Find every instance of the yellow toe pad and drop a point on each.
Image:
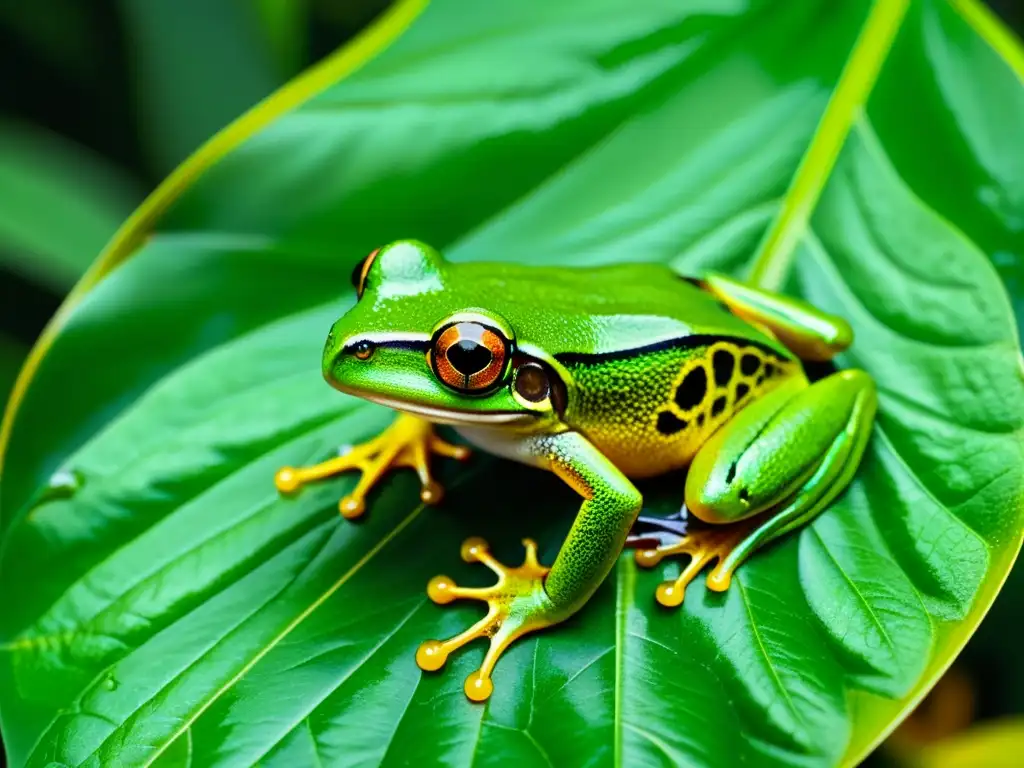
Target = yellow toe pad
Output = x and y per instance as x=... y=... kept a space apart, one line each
x=516 y=605
x=408 y=442
x=703 y=546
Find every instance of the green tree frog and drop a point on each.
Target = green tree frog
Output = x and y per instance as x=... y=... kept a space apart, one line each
x=601 y=375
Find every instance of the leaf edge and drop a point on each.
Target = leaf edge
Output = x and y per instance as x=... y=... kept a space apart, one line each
x=337 y=66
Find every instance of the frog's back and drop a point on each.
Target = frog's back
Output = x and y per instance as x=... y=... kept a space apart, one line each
x=599 y=310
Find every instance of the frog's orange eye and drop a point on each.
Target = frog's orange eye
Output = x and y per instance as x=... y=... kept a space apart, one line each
x=469 y=357
x=362 y=268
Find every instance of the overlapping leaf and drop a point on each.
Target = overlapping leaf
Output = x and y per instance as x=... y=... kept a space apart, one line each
x=61 y=204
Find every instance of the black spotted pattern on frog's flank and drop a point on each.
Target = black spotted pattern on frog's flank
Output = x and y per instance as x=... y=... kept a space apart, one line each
x=722 y=362
x=669 y=423
x=650 y=412
x=713 y=385
x=749 y=364
x=693 y=389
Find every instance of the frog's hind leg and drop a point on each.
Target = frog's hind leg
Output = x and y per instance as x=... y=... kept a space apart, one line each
x=408 y=442
x=772 y=469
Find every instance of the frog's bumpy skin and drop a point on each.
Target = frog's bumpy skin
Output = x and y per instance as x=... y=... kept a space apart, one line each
x=510 y=612
x=408 y=442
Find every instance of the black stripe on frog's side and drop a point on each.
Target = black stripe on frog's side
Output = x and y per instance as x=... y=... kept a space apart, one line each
x=411 y=345
x=684 y=342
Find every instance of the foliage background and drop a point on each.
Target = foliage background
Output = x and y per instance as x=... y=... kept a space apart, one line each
x=100 y=100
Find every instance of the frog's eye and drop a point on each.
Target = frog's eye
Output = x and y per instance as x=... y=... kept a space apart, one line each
x=469 y=357
x=360 y=272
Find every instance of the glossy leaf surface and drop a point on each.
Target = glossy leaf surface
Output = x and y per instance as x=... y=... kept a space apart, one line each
x=166 y=605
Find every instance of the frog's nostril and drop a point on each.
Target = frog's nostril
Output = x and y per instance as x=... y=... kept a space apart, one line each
x=468 y=356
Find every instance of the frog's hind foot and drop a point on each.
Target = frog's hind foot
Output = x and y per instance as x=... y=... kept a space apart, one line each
x=408 y=442
x=825 y=425
x=703 y=545
x=516 y=605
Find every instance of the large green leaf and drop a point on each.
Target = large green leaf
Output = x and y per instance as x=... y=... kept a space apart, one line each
x=197 y=65
x=11 y=356
x=164 y=605
x=58 y=204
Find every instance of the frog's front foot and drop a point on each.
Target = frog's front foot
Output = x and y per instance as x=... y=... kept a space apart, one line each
x=408 y=442
x=703 y=545
x=516 y=604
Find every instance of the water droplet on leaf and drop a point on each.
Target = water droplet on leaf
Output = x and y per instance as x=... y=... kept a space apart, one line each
x=63 y=484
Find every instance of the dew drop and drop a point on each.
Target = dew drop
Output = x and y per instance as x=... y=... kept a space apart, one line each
x=63 y=484
x=109 y=683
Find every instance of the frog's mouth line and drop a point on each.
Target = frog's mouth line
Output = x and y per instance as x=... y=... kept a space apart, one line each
x=448 y=415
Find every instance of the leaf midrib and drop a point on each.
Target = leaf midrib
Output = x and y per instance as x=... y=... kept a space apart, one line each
x=865 y=603
x=304 y=717
x=289 y=628
x=623 y=572
x=794 y=710
x=855 y=84
x=242 y=467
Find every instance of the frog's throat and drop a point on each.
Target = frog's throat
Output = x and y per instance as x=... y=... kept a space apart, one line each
x=439 y=415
